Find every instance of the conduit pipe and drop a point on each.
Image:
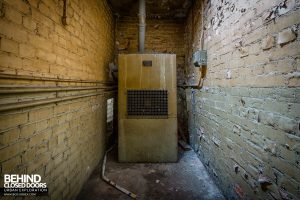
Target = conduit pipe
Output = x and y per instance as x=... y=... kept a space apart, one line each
x=130 y=194
x=17 y=90
x=18 y=105
x=142 y=25
x=35 y=78
x=202 y=69
x=64 y=17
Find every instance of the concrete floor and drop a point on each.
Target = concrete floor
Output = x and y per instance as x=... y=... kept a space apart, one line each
x=185 y=180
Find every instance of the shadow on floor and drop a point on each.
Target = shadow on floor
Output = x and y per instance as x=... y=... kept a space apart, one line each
x=185 y=180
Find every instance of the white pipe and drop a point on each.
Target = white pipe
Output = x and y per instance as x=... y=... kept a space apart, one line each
x=130 y=194
x=142 y=25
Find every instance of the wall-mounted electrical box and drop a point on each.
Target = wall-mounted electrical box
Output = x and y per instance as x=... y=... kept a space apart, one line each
x=200 y=58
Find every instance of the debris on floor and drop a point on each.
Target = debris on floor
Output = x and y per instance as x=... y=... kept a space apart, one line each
x=185 y=180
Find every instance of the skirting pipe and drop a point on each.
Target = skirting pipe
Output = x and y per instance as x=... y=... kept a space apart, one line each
x=18 y=105
x=34 y=78
x=130 y=194
x=17 y=90
x=142 y=25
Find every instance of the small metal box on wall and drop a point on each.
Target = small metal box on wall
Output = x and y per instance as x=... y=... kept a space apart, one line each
x=199 y=58
x=147 y=108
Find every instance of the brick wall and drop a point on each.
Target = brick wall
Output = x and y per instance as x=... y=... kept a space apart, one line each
x=34 y=41
x=162 y=36
x=244 y=122
x=54 y=87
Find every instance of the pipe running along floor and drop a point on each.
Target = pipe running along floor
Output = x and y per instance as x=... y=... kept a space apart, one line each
x=185 y=180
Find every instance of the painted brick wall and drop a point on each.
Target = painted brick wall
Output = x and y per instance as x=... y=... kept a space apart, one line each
x=162 y=36
x=244 y=122
x=54 y=87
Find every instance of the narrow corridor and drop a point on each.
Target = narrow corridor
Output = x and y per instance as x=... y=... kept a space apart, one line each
x=222 y=76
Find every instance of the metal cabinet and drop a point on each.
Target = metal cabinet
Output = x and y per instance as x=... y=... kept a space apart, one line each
x=147 y=108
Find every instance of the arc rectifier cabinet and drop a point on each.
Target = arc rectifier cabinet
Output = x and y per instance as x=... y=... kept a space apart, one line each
x=147 y=108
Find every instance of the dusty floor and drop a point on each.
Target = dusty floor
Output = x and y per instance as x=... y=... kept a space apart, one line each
x=185 y=180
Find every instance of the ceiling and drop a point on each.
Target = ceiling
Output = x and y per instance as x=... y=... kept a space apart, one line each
x=160 y=9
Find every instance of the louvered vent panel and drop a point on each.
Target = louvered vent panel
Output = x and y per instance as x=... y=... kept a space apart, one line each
x=146 y=103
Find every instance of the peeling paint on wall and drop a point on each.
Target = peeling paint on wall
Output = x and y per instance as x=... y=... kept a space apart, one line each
x=248 y=108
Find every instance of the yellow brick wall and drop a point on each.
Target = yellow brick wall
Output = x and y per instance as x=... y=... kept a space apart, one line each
x=34 y=41
x=244 y=122
x=54 y=87
x=61 y=142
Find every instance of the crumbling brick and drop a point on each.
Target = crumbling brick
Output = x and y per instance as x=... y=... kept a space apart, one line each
x=286 y=36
